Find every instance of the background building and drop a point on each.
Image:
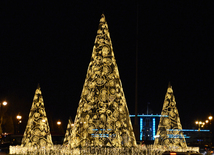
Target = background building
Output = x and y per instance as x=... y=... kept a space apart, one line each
x=148 y=125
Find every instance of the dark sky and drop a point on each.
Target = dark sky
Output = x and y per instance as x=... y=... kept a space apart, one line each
x=51 y=44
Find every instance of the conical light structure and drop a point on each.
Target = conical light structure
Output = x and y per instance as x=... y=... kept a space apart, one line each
x=102 y=117
x=68 y=132
x=170 y=132
x=37 y=132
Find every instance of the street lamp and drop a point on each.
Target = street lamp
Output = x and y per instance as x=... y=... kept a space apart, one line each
x=1 y=114
x=210 y=127
x=18 y=117
x=200 y=124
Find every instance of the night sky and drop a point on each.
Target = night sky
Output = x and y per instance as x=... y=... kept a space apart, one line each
x=51 y=44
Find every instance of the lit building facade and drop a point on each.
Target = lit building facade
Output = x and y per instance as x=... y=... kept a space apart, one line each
x=148 y=125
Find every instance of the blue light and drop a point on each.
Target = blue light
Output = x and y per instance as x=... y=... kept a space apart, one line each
x=149 y=116
x=141 y=128
x=188 y=130
x=153 y=128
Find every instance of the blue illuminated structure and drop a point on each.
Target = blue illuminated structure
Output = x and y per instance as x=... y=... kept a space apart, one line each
x=149 y=124
x=141 y=128
x=153 y=129
x=148 y=129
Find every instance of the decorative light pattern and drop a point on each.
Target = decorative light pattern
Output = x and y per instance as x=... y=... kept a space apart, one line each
x=165 y=136
x=37 y=132
x=68 y=132
x=148 y=116
x=141 y=128
x=153 y=128
x=102 y=105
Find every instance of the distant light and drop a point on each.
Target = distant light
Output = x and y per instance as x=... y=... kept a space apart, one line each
x=20 y=121
x=4 y=103
x=72 y=124
x=157 y=136
x=19 y=117
x=210 y=117
x=58 y=123
x=43 y=120
x=206 y=121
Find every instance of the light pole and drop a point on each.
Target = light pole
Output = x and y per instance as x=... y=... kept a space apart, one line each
x=210 y=127
x=59 y=126
x=2 y=104
x=19 y=118
x=200 y=124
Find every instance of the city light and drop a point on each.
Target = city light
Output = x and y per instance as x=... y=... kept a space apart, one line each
x=4 y=103
x=19 y=117
x=200 y=124
x=59 y=123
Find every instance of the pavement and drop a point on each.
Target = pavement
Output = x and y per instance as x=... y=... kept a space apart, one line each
x=3 y=153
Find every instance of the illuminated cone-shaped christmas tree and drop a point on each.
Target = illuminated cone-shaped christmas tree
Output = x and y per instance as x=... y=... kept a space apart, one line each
x=169 y=129
x=102 y=116
x=37 y=132
x=68 y=132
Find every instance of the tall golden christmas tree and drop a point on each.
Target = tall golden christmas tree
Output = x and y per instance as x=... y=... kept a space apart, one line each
x=68 y=132
x=169 y=131
x=102 y=117
x=37 y=132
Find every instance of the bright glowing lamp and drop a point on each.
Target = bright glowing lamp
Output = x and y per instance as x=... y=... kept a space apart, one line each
x=19 y=117
x=58 y=123
x=4 y=103
x=210 y=118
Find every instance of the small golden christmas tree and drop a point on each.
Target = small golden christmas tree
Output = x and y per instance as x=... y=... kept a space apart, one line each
x=37 y=132
x=169 y=131
x=102 y=117
x=68 y=132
